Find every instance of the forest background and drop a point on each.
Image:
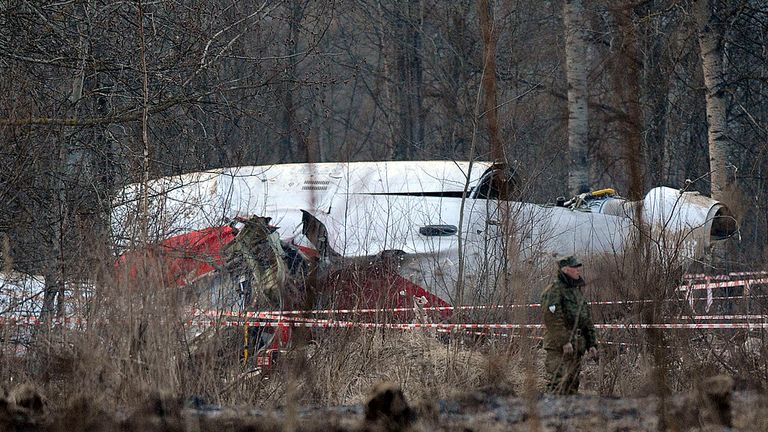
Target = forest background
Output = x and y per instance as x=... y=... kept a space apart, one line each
x=97 y=94
x=572 y=94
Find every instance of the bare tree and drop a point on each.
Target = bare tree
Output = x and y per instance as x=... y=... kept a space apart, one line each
x=710 y=38
x=487 y=27
x=408 y=20
x=578 y=96
x=626 y=85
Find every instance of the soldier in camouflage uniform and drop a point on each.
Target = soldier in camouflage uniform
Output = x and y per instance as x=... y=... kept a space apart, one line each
x=569 y=332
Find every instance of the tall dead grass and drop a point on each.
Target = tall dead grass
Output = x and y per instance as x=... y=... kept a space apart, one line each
x=136 y=342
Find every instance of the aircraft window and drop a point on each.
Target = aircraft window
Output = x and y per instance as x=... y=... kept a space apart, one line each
x=497 y=184
x=438 y=230
x=441 y=194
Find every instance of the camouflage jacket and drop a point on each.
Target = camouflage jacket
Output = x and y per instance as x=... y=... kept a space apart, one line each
x=567 y=317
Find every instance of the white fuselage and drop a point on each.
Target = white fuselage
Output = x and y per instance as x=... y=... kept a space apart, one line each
x=428 y=209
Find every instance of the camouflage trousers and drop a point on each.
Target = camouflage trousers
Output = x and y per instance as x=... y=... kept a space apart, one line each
x=562 y=372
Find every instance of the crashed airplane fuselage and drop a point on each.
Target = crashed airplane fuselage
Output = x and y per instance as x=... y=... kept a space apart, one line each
x=447 y=221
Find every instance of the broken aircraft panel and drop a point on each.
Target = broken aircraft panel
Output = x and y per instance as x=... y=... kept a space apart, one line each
x=363 y=209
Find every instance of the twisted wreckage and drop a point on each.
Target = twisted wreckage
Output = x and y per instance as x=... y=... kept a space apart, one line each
x=384 y=234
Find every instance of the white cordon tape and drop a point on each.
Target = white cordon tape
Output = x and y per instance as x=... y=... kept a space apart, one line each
x=467 y=326
x=324 y=323
x=434 y=308
x=714 y=285
x=354 y=311
x=725 y=317
x=271 y=314
x=34 y=321
x=683 y=326
x=286 y=314
x=692 y=287
x=353 y=324
x=309 y=323
x=214 y=313
x=513 y=335
x=724 y=277
x=306 y=322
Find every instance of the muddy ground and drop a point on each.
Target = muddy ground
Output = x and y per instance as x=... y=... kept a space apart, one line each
x=486 y=412
x=712 y=408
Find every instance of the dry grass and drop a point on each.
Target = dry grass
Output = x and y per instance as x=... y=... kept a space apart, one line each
x=135 y=344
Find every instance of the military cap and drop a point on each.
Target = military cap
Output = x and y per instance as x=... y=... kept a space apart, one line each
x=569 y=261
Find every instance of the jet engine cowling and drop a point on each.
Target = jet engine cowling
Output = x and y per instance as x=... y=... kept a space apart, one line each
x=678 y=218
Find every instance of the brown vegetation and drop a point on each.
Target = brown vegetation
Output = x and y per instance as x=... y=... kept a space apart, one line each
x=217 y=84
x=136 y=365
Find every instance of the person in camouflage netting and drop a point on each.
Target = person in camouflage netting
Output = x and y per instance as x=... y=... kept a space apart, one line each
x=569 y=332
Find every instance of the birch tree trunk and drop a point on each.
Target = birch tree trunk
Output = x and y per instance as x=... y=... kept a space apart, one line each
x=710 y=45
x=578 y=115
x=144 y=130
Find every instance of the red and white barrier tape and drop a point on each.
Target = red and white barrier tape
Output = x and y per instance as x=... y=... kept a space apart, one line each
x=714 y=285
x=353 y=324
x=466 y=326
x=431 y=308
x=725 y=276
x=37 y=321
x=725 y=317
x=215 y=313
x=364 y=310
x=513 y=335
x=684 y=326
x=309 y=323
x=691 y=287
x=747 y=317
x=267 y=318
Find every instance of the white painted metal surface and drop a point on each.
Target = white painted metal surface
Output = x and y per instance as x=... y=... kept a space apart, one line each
x=194 y=201
x=370 y=207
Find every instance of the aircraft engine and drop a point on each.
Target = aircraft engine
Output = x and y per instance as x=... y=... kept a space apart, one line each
x=677 y=216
